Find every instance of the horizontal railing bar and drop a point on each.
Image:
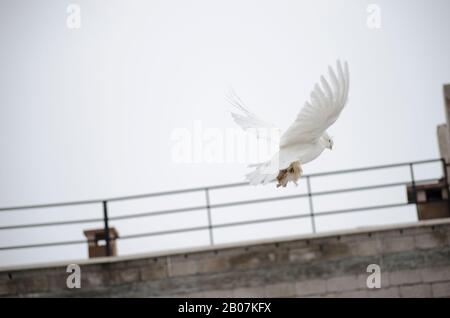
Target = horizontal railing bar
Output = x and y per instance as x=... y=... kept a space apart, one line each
x=50 y=244
x=361 y=209
x=387 y=166
x=320 y=174
x=313 y=194
x=216 y=226
x=113 y=218
x=254 y=201
x=370 y=187
x=123 y=198
x=22 y=226
x=300 y=216
x=219 y=205
x=175 y=231
x=155 y=213
x=223 y=186
x=266 y=220
x=50 y=205
x=165 y=193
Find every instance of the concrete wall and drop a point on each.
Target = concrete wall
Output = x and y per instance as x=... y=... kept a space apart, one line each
x=414 y=261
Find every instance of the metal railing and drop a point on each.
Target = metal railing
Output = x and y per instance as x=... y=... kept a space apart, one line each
x=310 y=194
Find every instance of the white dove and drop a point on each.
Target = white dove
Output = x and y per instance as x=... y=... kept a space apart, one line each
x=307 y=137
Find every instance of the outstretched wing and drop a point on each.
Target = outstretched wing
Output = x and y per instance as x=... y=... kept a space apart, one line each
x=327 y=102
x=248 y=120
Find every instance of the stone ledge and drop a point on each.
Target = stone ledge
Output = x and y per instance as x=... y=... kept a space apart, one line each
x=346 y=235
x=415 y=261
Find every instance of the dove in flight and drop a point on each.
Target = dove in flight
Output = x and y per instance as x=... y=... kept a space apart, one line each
x=307 y=136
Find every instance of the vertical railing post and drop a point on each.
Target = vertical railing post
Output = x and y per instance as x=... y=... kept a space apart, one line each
x=413 y=184
x=311 y=206
x=444 y=166
x=208 y=210
x=106 y=229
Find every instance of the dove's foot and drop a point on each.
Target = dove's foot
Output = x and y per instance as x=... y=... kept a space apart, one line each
x=292 y=173
x=282 y=178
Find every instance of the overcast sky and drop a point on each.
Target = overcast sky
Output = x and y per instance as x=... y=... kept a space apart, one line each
x=90 y=112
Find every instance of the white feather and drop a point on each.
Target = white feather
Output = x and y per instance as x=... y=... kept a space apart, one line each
x=306 y=138
x=248 y=120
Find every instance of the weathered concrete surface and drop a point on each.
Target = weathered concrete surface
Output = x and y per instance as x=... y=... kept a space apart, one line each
x=414 y=261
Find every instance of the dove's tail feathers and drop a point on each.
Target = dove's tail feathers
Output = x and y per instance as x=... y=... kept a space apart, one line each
x=256 y=177
x=264 y=173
